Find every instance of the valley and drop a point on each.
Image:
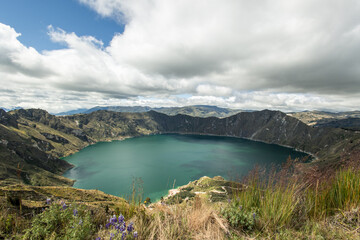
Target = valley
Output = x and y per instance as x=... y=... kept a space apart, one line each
x=46 y=138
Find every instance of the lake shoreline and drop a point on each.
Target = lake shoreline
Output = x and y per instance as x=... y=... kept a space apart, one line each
x=227 y=150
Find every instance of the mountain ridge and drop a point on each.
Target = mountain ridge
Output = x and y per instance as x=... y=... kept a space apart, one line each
x=193 y=110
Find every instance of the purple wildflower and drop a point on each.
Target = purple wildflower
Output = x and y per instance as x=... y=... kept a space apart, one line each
x=64 y=206
x=98 y=238
x=107 y=225
x=122 y=228
x=121 y=218
x=75 y=212
x=113 y=219
x=254 y=215
x=117 y=226
x=48 y=201
x=240 y=207
x=80 y=222
x=130 y=228
x=229 y=200
x=123 y=236
x=111 y=236
x=135 y=234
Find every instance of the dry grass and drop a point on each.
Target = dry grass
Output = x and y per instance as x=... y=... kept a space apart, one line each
x=196 y=220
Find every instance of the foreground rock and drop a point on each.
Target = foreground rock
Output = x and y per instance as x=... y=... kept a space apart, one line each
x=215 y=189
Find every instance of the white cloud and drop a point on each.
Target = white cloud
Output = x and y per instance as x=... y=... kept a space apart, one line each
x=278 y=54
x=297 y=45
x=16 y=58
x=209 y=90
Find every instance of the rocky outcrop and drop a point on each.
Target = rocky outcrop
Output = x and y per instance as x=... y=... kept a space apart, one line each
x=7 y=119
x=42 y=145
x=80 y=134
x=55 y=138
x=216 y=189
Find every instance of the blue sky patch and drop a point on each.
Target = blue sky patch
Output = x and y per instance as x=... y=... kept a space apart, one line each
x=31 y=19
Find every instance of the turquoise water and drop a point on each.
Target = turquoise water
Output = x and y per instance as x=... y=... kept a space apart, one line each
x=164 y=161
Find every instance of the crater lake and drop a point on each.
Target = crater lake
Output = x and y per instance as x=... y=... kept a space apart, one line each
x=166 y=161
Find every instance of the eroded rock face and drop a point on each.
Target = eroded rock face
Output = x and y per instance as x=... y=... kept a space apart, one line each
x=55 y=138
x=80 y=134
x=7 y=120
x=43 y=145
x=4 y=142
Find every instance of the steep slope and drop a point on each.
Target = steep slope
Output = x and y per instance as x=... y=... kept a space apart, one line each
x=54 y=135
x=22 y=160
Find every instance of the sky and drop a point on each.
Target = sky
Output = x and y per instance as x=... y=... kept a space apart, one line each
x=266 y=54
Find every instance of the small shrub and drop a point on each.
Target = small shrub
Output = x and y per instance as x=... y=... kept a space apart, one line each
x=60 y=221
x=240 y=217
